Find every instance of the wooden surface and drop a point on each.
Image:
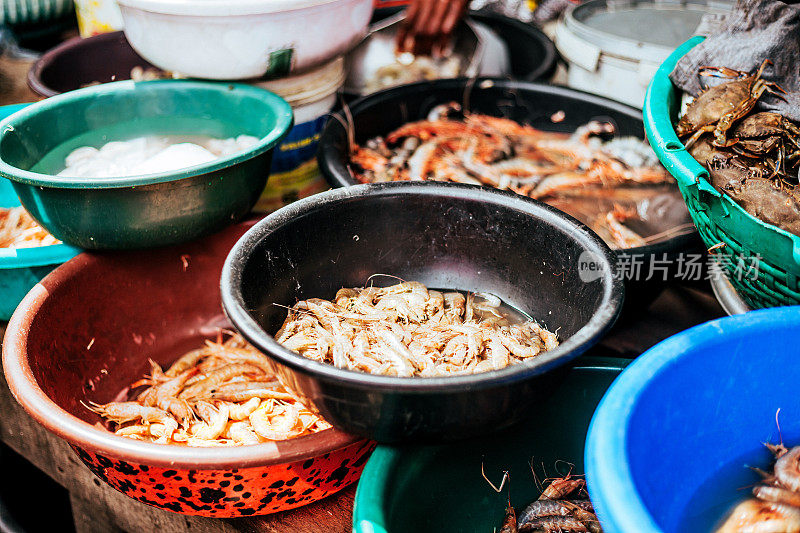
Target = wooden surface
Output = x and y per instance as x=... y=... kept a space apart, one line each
x=96 y=507
x=13 y=81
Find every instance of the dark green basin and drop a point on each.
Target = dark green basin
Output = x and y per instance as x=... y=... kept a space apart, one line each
x=440 y=488
x=150 y=210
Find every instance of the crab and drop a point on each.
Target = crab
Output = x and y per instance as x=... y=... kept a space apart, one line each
x=718 y=108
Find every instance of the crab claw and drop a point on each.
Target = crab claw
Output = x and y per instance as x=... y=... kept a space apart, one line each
x=721 y=72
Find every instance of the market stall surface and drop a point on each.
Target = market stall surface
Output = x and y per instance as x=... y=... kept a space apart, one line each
x=97 y=507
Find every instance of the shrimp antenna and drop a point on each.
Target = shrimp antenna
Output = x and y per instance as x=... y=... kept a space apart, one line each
x=778 y=423
x=348 y=123
x=467 y=93
x=536 y=481
x=385 y=275
x=569 y=472
x=506 y=476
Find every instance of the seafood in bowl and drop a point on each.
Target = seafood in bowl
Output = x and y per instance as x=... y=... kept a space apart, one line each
x=408 y=330
x=454 y=487
x=563 y=505
x=446 y=236
x=702 y=386
x=55 y=366
x=19 y=230
x=662 y=221
x=750 y=155
x=606 y=184
x=146 y=155
x=223 y=394
x=775 y=501
x=151 y=208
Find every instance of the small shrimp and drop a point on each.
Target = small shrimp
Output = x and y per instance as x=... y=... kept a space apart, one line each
x=121 y=412
x=242 y=433
x=756 y=516
x=244 y=391
x=129 y=431
x=186 y=361
x=587 y=518
x=215 y=421
x=777 y=495
x=553 y=524
x=509 y=521
x=260 y=420
x=218 y=376
x=787 y=469
x=241 y=411
x=561 y=488
x=541 y=508
x=167 y=392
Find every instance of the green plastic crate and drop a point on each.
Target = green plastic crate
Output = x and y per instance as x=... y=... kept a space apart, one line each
x=740 y=241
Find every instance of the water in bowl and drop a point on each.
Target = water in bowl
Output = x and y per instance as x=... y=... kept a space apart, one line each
x=722 y=491
x=176 y=130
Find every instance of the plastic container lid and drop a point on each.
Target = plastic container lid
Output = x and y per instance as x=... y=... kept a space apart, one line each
x=309 y=87
x=632 y=29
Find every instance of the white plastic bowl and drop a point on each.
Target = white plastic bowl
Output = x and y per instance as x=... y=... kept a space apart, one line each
x=241 y=39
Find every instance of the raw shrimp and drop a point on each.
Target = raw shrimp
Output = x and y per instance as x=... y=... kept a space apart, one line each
x=19 y=230
x=407 y=330
x=553 y=513
x=498 y=152
x=207 y=398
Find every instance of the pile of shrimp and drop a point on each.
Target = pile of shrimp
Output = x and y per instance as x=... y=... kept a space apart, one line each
x=563 y=506
x=484 y=150
x=408 y=330
x=19 y=230
x=775 y=505
x=223 y=394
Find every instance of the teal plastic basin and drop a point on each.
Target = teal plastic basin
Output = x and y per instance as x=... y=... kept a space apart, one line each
x=440 y=488
x=149 y=210
x=22 y=268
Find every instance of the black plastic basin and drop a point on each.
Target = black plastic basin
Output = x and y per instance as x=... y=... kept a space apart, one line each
x=446 y=236
x=525 y=102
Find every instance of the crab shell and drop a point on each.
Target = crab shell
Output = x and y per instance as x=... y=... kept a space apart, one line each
x=714 y=103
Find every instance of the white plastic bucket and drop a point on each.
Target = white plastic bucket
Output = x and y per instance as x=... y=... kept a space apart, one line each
x=615 y=47
x=295 y=173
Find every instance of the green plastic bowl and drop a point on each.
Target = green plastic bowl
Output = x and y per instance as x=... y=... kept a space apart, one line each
x=748 y=242
x=440 y=488
x=22 y=268
x=150 y=210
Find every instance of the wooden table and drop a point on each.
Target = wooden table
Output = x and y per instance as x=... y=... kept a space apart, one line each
x=96 y=507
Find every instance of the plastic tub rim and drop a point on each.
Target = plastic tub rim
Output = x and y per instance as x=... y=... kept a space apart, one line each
x=283 y=117
x=233 y=302
x=328 y=167
x=224 y=8
x=369 y=504
x=610 y=483
x=78 y=432
x=34 y=76
x=618 y=45
x=35 y=256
